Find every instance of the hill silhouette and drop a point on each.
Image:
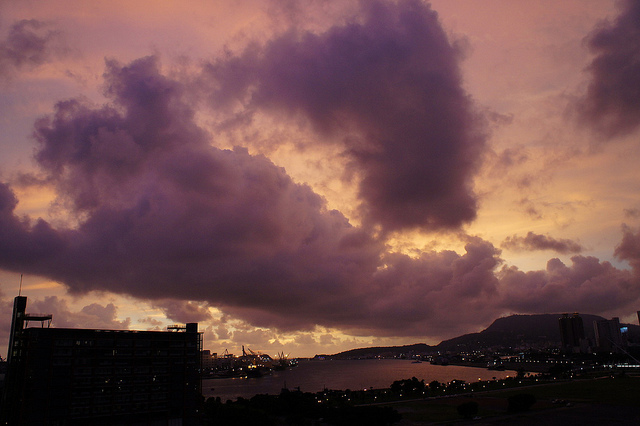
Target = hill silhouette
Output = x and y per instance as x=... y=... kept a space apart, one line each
x=541 y=330
x=383 y=351
x=517 y=330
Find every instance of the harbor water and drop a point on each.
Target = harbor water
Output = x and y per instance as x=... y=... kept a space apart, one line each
x=316 y=375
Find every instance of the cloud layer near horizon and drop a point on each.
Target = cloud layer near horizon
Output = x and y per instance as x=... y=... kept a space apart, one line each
x=533 y=241
x=155 y=210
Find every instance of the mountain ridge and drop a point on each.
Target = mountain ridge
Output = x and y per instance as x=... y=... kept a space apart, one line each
x=540 y=330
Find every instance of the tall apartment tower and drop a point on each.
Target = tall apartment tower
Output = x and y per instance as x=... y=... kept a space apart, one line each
x=571 y=332
x=68 y=376
x=608 y=335
x=17 y=324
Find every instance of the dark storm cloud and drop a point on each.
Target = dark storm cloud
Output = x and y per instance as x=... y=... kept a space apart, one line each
x=588 y=285
x=183 y=311
x=388 y=85
x=535 y=241
x=18 y=247
x=439 y=291
x=436 y=294
x=629 y=248
x=27 y=46
x=162 y=215
x=612 y=103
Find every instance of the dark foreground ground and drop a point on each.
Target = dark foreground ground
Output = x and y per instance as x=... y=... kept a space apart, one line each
x=601 y=401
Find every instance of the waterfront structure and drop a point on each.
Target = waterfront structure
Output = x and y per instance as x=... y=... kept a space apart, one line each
x=572 y=333
x=64 y=376
x=608 y=335
x=208 y=361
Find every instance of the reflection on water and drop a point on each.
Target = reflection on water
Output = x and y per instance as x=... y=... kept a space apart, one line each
x=314 y=376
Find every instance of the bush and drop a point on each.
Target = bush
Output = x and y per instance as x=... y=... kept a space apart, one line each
x=411 y=385
x=468 y=410
x=521 y=402
x=365 y=416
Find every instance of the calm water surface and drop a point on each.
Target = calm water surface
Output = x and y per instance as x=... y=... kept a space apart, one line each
x=314 y=376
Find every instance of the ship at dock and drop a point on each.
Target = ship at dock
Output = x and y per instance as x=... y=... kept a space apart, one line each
x=251 y=364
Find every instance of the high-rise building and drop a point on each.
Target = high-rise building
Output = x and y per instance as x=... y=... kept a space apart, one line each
x=64 y=376
x=608 y=335
x=572 y=332
x=208 y=361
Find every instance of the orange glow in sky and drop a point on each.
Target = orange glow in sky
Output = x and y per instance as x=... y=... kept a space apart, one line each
x=310 y=177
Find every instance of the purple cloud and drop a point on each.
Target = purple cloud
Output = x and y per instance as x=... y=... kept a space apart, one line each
x=612 y=102
x=183 y=311
x=28 y=45
x=175 y=218
x=407 y=296
x=629 y=248
x=152 y=323
x=440 y=292
x=588 y=285
x=90 y=316
x=535 y=241
x=18 y=247
x=162 y=215
x=387 y=84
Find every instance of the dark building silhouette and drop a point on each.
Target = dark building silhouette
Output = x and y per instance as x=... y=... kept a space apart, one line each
x=63 y=376
x=572 y=332
x=608 y=335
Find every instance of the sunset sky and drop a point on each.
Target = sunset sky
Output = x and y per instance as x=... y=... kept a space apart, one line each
x=314 y=176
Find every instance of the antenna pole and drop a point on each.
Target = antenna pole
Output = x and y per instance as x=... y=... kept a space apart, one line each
x=20 y=290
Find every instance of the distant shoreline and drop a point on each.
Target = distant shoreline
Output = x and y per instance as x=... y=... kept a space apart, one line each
x=528 y=367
